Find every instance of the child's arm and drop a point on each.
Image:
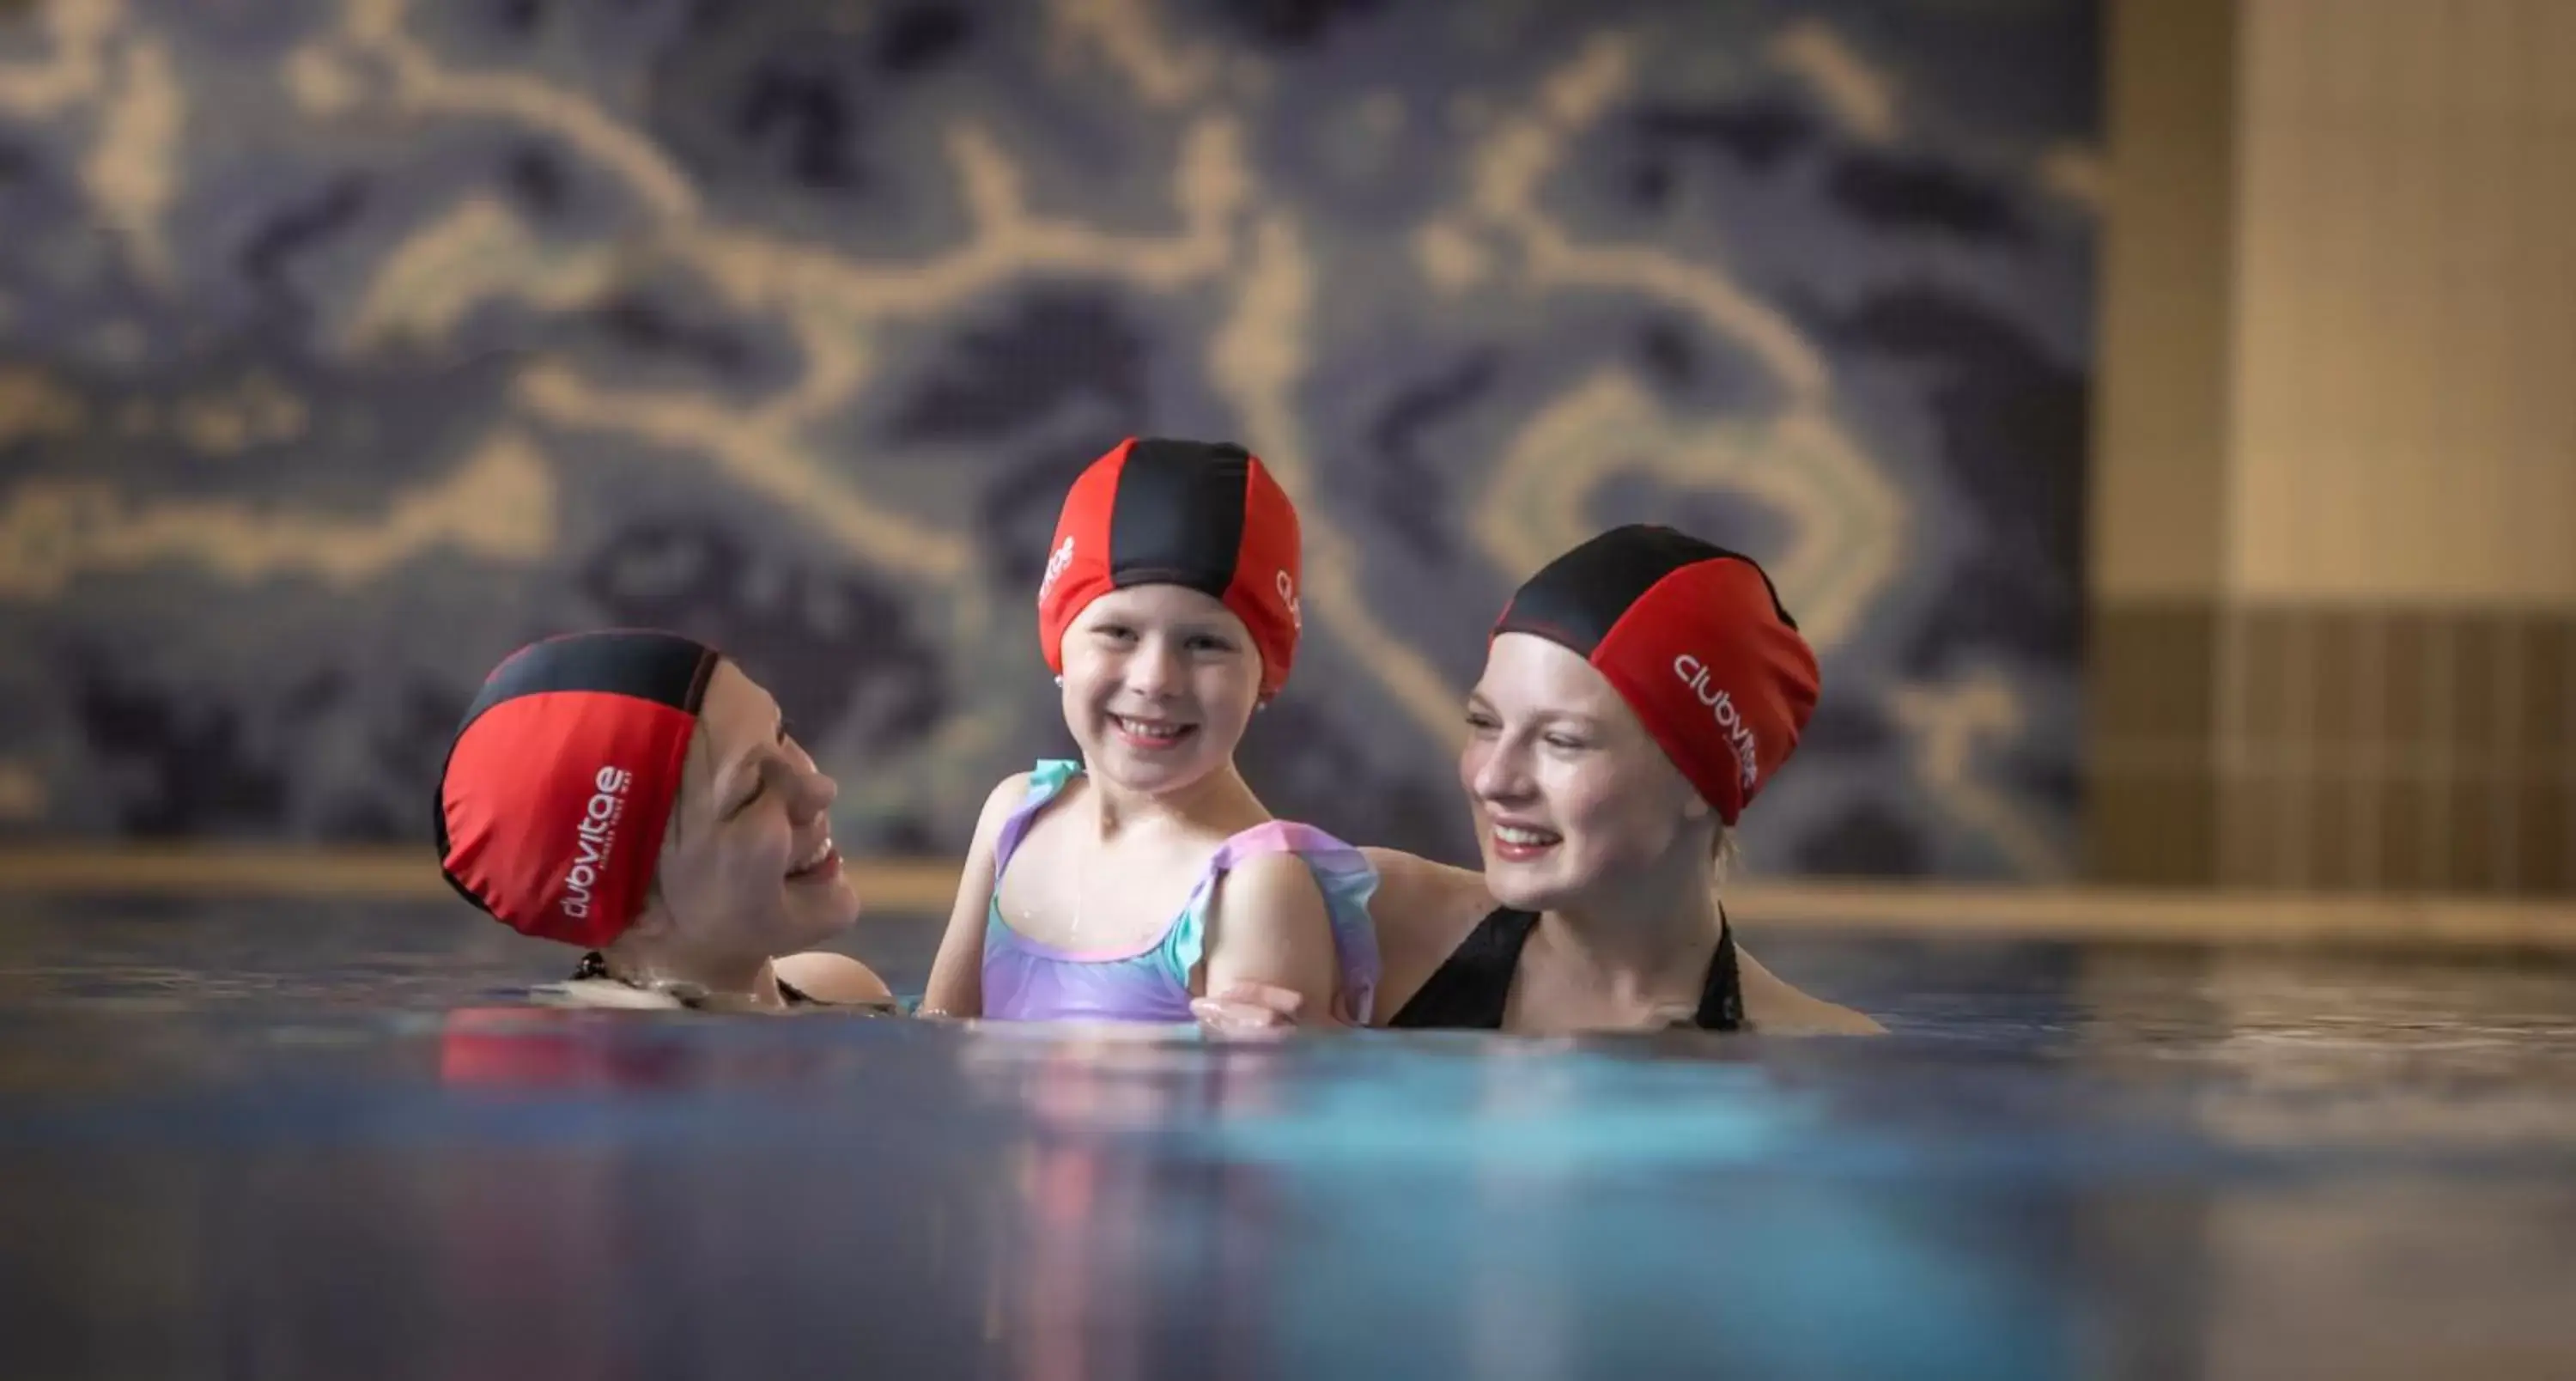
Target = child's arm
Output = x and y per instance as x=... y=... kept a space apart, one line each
x=1267 y=925
x=1421 y=911
x=956 y=987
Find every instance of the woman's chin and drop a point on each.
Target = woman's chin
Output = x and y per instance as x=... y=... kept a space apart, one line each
x=1521 y=887
x=823 y=911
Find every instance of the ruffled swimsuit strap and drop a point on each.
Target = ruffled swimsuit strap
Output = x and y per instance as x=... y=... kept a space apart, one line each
x=1046 y=782
x=1341 y=872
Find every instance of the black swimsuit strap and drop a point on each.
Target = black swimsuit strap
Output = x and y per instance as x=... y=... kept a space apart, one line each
x=594 y=965
x=1473 y=986
x=1721 y=995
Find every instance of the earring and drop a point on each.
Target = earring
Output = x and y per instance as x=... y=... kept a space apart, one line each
x=1059 y=683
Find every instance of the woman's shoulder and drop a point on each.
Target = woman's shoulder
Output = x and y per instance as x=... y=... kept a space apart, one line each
x=1775 y=1006
x=826 y=977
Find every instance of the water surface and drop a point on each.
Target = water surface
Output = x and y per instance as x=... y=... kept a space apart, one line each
x=328 y=1140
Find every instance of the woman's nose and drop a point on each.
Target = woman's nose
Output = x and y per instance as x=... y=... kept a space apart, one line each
x=815 y=793
x=1501 y=776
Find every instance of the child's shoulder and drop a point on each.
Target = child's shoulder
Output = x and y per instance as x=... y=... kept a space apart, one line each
x=1266 y=878
x=1008 y=792
x=1013 y=791
x=1288 y=862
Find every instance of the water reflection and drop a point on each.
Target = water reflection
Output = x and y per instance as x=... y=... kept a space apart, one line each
x=2102 y=1161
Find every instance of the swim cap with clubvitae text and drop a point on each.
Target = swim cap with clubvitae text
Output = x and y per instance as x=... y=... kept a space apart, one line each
x=1693 y=637
x=558 y=785
x=1201 y=514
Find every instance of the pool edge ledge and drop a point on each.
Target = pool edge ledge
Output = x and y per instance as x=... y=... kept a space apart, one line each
x=1933 y=909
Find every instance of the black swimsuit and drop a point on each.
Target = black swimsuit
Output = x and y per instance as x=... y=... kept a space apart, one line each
x=1473 y=985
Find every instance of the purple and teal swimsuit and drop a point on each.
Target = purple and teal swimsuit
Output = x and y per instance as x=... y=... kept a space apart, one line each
x=1028 y=981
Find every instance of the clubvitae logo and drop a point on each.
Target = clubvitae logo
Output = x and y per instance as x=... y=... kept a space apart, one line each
x=595 y=838
x=1730 y=720
x=1056 y=563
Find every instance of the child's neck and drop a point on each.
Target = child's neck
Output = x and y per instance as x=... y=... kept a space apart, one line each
x=1220 y=798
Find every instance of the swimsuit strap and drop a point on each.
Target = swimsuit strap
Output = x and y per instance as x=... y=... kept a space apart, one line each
x=1342 y=873
x=594 y=968
x=1473 y=986
x=1721 y=994
x=1046 y=781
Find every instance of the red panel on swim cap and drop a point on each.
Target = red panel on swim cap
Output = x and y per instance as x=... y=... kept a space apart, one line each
x=558 y=789
x=1077 y=568
x=1205 y=515
x=1721 y=683
x=1268 y=574
x=1692 y=638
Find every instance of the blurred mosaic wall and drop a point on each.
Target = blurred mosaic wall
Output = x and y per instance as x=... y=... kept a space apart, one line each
x=347 y=344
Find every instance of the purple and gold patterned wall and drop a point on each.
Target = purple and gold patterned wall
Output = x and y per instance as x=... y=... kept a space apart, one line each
x=347 y=344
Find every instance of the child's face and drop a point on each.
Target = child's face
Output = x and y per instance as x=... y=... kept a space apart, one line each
x=1159 y=681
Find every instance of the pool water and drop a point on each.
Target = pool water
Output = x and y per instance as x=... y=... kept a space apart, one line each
x=328 y=1140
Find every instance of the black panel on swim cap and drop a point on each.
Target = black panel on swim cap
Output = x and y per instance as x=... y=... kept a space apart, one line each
x=1575 y=599
x=1178 y=517
x=646 y=664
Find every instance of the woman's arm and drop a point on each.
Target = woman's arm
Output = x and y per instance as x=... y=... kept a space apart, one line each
x=956 y=987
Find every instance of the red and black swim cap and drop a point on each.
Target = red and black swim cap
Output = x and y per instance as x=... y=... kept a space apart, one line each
x=1202 y=514
x=559 y=783
x=1693 y=637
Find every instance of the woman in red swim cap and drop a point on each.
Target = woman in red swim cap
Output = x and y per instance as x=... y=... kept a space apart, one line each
x=1638 y=693
x=635 y=794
